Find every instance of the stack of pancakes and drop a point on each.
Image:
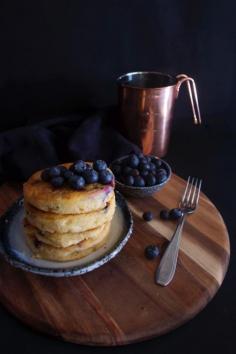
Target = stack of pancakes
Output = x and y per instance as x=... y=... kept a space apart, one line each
x=63 y=224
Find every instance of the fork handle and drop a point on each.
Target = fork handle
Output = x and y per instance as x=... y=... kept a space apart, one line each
x=166 y=270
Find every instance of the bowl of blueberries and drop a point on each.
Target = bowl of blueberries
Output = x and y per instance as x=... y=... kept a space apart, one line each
x=140 y=175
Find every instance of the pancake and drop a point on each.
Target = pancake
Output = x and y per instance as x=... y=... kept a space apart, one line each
x=84 y=248
x=51 y=222
x=57 y=239
x=65 y=200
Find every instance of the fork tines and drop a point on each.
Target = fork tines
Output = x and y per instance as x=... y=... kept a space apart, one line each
x=191 y=194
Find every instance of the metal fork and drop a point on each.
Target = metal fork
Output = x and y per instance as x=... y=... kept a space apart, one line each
x=188 y=204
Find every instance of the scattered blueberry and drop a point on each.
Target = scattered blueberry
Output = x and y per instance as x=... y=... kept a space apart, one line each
x=164 y=214
x=105 y=177
x=77 y=182
x=147 y=216
x=175 y=214
x=148 y=158
x=139 y=181
x=45 y=175
x=57 y=182
x=151 y=252
x=90 y=176
x=100 y=165
x=129 y=180
x=78 y=167
x=133 y=160
x=54 y=171
x=150 y=180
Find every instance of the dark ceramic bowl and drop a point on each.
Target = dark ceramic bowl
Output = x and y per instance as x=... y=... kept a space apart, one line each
x=141 y=192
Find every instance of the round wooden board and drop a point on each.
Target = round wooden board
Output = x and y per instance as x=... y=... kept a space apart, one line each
x=120 y=303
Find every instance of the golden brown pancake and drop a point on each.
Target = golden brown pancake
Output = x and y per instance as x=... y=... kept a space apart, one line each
x=65 y=200
x=57 y=239
x=51 y=222
x=80 y=250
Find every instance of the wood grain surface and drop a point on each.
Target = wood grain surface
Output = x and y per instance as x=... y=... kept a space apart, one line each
x=120 y=303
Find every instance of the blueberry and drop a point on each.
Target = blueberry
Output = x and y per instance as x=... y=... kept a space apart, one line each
x=161 y=171
x=160 y=178
x=175 y=214
x=68 y=174
x=144 y=173
x=54 y=172
x=45 y=175
x=157 y=162
x=127 y=170
x=57 y=182
x=77 y=182
x=151 y=252
x=144 y=166
x=78 y=167
x=139 y=181
x=90 y=176
x=63 y=170
x=161 y=175
x=129 y=180
x=116 y=169
x=152 y=166
x=164 y=214
x=154 y=173
x=143 y=160
x=140 y=155
x=150 y=180
x=133 y=161
x=134 y=173
x=148 y=158
x=147 y=216
x=105 y=177
x=100 y=165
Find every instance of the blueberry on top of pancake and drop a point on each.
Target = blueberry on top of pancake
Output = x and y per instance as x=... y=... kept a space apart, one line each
x=54 y=190
x=78 y=174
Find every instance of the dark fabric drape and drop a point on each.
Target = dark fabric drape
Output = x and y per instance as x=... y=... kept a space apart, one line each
x=27 y=149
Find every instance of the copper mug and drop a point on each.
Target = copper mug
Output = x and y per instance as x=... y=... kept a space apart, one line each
x=146 y=102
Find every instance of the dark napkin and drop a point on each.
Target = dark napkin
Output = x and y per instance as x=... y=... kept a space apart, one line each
x=27 y=149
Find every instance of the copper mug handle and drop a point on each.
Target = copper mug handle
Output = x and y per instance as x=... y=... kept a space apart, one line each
x=192 y=90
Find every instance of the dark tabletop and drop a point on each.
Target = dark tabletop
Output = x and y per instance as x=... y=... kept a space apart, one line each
x=207 y=152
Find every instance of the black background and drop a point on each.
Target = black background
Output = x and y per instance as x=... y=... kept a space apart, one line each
x=60 y=57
